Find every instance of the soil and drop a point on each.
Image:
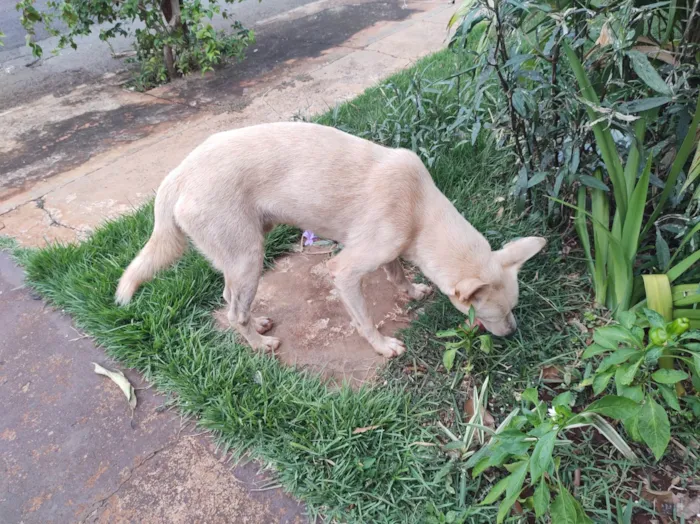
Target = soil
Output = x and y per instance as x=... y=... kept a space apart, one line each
x=312 y=323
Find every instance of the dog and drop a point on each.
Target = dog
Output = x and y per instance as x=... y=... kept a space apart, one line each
x=380 y=203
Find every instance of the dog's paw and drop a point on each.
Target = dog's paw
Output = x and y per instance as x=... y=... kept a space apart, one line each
x=390 y=347
x=269 y=344
x=420 y=291
x=263 y=324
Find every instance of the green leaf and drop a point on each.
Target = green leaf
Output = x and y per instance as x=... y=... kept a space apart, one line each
x=516 y=479
x=612 y=336
x=647 y=73
x=654 y=427
x=486 y=343
x=593 y=182
x=593 y=350
x=663 y=253
x=626 y=319
x=612 y=406
x=634 y=393
x=541 y=499
x=448 y=358
x=632 y=426
x=670 y=396
x=624 y=375
x=564 y=399
x=504 y=508
x=654 y=318
x=632 y=226
x=567 y=510
x=669 y=376
x=496 y=491
x=638 y=106
x=601 y=380
x=448 y=333
x=530 y=395
x=696 y=362
x=542 y=455
x=618 y=357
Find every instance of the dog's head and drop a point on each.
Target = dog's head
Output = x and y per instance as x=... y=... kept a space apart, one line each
x=494 y=293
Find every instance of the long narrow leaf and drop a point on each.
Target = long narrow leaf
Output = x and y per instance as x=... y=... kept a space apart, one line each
x=635 y=214
x=600 y=209
x=687 y=147
x=637 y=149
x=605 y=429
x=581 y=226
x=621 y=273
x=686 y=295
x=693 y=172
x=603 y=136
x=670 y=22
x=659 y=295
x=683 y=266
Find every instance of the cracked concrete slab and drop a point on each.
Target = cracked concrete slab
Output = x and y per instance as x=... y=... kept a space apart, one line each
x=72 y=451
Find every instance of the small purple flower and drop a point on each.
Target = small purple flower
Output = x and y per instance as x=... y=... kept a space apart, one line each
x=308 y=237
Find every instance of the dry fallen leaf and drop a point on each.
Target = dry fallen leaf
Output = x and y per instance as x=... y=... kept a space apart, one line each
x=605 y=37
x=357 y=431
x=552 y=375
x=120 y=380
x=486 y=417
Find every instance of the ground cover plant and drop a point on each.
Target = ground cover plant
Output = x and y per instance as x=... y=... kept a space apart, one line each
x=400 y=450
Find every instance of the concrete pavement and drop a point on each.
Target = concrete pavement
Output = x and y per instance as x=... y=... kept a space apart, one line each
x=72 y=451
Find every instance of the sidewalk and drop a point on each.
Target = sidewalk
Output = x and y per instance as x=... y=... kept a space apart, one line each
x=71 y=450
x=114 y=167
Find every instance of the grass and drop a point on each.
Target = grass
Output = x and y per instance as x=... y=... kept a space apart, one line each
x=396 y=472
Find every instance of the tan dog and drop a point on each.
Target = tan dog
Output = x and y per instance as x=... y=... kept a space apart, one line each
x=380 y=203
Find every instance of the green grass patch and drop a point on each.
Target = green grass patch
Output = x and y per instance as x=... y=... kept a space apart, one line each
x=290 y=419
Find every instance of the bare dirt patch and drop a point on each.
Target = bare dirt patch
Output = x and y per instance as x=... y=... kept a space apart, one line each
x=312 y=323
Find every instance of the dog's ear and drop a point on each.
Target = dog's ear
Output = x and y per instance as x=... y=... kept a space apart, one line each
x=466 y=289
x=514 y=254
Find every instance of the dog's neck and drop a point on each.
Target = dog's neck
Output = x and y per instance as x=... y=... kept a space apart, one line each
x=448 y=248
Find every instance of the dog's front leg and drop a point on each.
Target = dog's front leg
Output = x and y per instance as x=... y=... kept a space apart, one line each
x=348 y=281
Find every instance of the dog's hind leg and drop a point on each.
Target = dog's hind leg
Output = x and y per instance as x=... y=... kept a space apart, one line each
x=396 y=275
x=261 y=324
x=236 y=249
x=347 y=269
x=242 y=274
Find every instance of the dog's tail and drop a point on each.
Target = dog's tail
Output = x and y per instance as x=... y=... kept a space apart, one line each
x=166 y=245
